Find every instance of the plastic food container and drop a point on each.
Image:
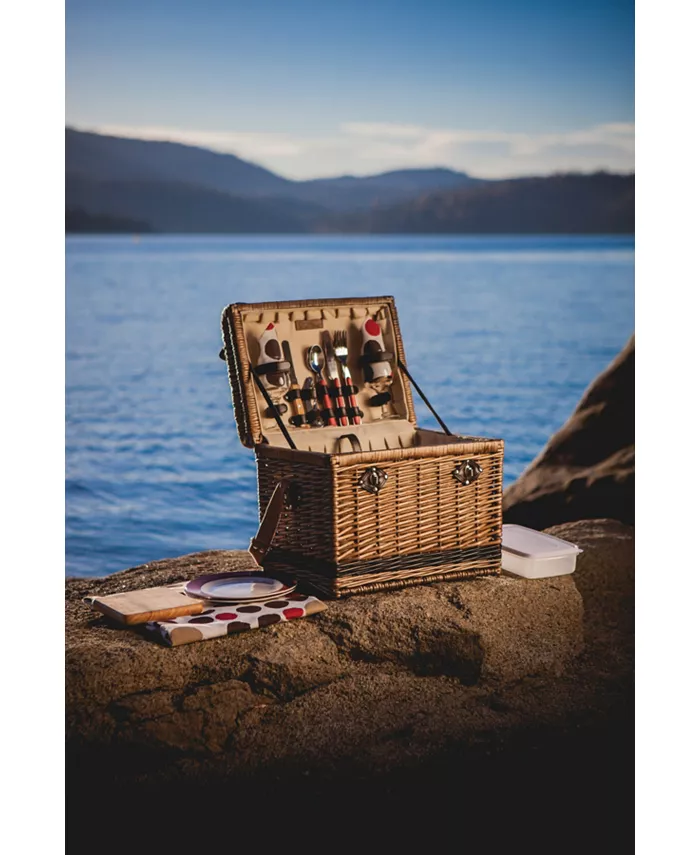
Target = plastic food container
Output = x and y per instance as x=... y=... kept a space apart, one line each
x=536 y=555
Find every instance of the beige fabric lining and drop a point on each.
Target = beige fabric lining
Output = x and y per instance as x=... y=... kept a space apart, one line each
x=379 y=436
x=350 y=319
x=391 y=433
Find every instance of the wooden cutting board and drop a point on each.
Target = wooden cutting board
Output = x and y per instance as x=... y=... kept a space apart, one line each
x=148 y=604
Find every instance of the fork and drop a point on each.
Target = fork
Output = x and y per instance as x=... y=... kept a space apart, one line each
x=340 y=346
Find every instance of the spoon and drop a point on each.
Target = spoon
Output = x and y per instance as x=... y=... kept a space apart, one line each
x=316 y=361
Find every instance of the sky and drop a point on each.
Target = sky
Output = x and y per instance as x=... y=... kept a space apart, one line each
x=309 y=89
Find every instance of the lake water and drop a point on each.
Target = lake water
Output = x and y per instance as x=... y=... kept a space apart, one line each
x=504 y=334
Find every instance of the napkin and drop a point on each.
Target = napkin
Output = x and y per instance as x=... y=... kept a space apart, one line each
x=230 y=620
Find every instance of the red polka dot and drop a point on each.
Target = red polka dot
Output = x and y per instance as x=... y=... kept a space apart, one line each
x=372 y=327
x=292 y=613
x=270 y=327
x=227 y=616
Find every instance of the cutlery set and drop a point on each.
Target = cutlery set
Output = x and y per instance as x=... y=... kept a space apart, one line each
x=328 y=402
x=328 y=397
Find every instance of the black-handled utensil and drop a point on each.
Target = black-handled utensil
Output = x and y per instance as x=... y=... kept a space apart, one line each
x=294 y=393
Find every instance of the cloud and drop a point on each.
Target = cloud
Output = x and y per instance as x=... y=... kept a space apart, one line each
x=366 y=147
x=383 y=129
x=428 y=143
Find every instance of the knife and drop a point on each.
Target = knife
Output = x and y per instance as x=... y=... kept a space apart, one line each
x=313 y=415
x=295 y=400
x=334 y=375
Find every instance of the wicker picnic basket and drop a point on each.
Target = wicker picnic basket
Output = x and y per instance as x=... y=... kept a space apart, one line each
x=365 y=507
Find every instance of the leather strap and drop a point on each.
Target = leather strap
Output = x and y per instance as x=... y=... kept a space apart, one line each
x=380 y=399
x=352 y=439
x=379 y=356
x=261 y=543
x=280 y=367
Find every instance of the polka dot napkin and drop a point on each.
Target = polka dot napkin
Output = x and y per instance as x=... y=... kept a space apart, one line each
x=230 y=620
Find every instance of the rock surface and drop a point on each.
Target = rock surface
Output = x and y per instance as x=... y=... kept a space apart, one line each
x=446 y=692
x=122 y=685
x=586 y=470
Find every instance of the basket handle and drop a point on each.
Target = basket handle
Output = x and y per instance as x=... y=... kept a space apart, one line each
x=261 y=543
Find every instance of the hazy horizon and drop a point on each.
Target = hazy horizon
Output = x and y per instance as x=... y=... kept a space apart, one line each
x=427 y=167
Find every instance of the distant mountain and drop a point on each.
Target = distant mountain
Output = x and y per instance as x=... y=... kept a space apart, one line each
x=401 y=180
x=559 y=204
x=105 y=158
x=169 y=187
x=79 y=221
x=169 y=206
x=350 y=192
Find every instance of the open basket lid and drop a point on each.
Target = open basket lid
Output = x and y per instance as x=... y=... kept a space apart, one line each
x=301 y=323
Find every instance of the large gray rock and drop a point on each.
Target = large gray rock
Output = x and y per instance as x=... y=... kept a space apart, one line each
x=123 y=686
x=586 y=470
x=497 y=628
x=446 y=702
x=605 y=579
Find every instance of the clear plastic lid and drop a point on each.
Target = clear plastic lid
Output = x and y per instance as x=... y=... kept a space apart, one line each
x=535 y=544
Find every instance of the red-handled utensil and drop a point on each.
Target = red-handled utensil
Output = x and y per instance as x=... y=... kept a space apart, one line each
x=340 y=346
x=315 y=361
x=332 y=366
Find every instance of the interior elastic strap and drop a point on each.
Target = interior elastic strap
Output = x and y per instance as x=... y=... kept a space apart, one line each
x=285 y=432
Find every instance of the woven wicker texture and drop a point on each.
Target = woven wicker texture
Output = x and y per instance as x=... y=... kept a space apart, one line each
x=422 y=525
x=472 y=565
x=335 y=537
x=448 y=516
x=307 y=527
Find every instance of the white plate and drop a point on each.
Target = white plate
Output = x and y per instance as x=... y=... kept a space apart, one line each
x=278 y=595
x=242 y=588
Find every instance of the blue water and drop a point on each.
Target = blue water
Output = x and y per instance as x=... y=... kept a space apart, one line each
x=503 y=333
